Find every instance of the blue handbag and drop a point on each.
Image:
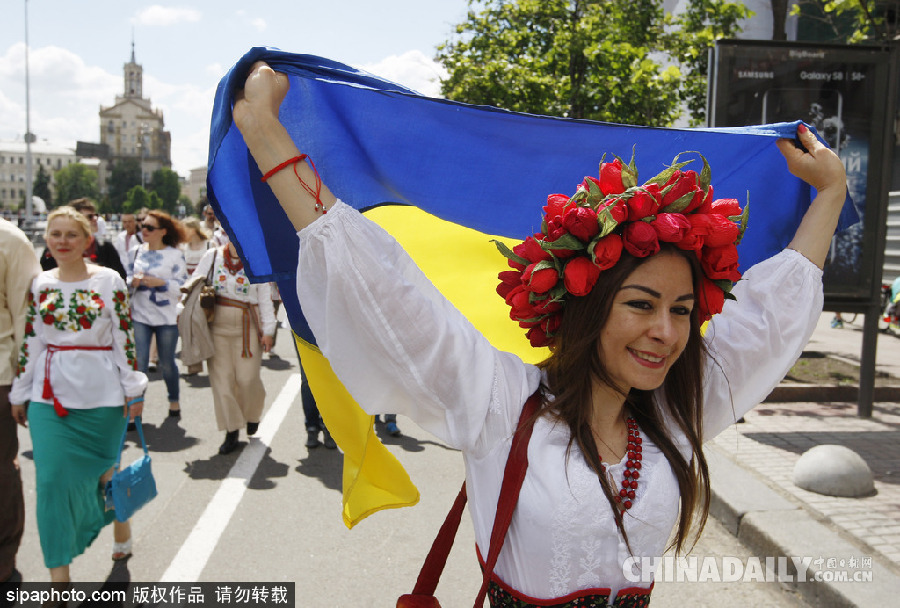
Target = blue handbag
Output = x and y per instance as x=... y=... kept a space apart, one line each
x=134 y=486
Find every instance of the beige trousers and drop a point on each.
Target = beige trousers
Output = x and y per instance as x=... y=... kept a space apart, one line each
x=238 y=392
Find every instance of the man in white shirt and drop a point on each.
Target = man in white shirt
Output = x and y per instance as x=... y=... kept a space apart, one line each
x=18 y=266
x=219 y=236
x=127 y=241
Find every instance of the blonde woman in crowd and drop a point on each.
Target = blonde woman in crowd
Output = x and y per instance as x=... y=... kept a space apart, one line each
x=76 y=383
x=197 y=242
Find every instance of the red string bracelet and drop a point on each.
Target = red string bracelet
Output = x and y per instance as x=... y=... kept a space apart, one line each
x=317 y=193
x=281 y=166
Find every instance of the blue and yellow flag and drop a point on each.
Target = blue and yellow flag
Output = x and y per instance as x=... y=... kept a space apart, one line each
x=459 y=174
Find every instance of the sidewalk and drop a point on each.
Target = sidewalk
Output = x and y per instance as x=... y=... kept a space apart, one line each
x=751 y=466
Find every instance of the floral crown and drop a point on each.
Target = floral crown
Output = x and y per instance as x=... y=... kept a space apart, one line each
x=584 y=234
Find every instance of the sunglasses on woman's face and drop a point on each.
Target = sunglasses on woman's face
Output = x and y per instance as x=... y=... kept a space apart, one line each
x=91 y=216
x=149 y=228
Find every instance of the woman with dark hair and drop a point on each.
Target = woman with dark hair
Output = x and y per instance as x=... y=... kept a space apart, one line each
x=158 y=274
x=617 y=284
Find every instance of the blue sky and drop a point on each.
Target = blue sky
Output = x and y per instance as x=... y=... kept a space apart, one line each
x=77 y=50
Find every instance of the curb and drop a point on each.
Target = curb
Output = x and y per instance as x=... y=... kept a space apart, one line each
x=819 y=393
x=771 y=526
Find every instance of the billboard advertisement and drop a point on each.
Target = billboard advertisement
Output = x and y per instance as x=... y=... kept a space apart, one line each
x=842 y=91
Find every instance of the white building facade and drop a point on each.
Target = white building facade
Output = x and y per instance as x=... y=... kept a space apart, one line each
x=13 y=165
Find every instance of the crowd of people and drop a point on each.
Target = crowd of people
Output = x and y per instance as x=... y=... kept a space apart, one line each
x=88 y=323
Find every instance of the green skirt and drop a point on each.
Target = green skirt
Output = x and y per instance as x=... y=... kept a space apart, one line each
x=70 y=455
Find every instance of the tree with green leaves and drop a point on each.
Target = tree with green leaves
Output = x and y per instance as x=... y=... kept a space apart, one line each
x=41 y=185
x=849 y=21
x=76 y=181
x=139 y=198
x=166 y=185
x=124 y=175
x=625 y=61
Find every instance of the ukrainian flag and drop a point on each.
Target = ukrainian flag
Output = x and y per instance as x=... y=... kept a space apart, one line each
x=433 y=171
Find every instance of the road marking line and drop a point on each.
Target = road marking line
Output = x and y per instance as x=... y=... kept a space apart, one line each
x=200 y=543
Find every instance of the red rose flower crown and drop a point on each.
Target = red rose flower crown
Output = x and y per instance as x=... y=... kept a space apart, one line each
x=584 y=234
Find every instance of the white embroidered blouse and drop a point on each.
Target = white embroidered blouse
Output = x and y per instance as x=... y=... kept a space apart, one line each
x=91 y=313
x=400 y=347
x=158 y=305
x=237 y=286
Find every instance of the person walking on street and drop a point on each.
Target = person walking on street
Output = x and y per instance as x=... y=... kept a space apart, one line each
x=128 y=241
x=76 y=384
x=242 y=328
x=18 y=266
x=159 y=273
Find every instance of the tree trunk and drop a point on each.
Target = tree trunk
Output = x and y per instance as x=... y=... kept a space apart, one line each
x=779 y=16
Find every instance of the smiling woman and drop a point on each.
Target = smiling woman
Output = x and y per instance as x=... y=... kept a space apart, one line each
x=77 y=376
x=617 y=283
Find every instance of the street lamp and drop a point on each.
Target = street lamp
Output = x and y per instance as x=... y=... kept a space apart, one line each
x=29 y=136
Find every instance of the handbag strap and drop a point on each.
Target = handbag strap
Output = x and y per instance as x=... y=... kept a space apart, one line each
x=140 y=430
x=513 y=476
x=212 y=267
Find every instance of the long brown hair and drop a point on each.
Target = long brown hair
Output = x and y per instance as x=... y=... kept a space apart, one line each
x=575 y=363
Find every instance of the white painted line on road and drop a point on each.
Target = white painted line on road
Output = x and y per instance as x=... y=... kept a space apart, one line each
x=200 y=543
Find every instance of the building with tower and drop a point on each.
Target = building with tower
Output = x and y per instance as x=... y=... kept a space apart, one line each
x=133 y=129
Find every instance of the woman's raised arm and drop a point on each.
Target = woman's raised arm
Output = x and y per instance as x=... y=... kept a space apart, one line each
x=821 y=168
x=256 y=116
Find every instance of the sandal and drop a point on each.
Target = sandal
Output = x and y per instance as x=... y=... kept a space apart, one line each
x=121 y=551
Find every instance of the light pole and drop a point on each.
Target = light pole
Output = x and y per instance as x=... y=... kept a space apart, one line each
x=29 y=136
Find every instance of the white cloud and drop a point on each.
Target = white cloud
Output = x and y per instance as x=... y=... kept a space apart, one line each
x=412 y=69
x=167 y=15
x=259 y=23
x=65 y=93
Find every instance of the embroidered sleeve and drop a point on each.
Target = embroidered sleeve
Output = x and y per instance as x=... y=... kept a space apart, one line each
x=31 y=347
x=133 y=382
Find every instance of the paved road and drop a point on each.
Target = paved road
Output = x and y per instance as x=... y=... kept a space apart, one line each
x=271 y=512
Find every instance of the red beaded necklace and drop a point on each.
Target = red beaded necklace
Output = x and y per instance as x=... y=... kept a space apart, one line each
x=632 y=466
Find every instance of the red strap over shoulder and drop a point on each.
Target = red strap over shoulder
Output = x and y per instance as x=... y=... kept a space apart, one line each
x=513 y=476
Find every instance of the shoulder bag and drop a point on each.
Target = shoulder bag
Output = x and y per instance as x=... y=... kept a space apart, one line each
x=513 y=476
x=134 y=486
x=208 y=292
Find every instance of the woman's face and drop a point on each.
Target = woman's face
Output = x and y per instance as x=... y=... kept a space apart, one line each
x=151 y=231
x=66 y=239
x=649 y=323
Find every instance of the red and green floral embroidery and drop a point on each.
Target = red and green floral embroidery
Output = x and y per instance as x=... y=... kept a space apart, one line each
x=29 y=333
x=84 y=307
x=123 y=313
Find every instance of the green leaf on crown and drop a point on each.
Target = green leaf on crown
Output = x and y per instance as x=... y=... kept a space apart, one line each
x=679 y=204
x=725 y=285
x=742 y=220
x=567 y=241
x=508 y=253
x=607 y=223
x=663 y=176
x=705 y=174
